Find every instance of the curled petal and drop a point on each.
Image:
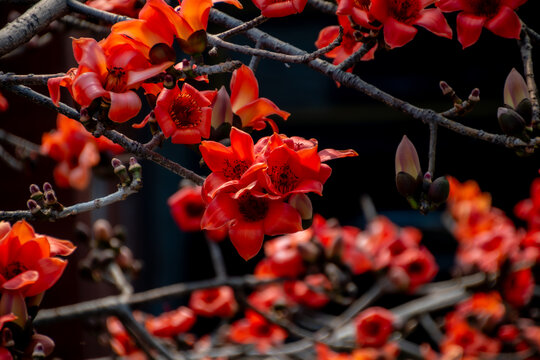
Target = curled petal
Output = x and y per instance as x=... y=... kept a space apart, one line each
x=18 y=282
x=87 y=87
x=124 y=106
x=255 y=112
x=244 y=87
x=434 y=21
x=505 y=24
x=331 y=154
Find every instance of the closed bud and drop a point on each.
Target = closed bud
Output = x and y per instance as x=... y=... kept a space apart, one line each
x=525 y=109
x=407 y=158
x=160 y=53
x=84 y=117
x=34 y=189
x=40 y=346
x=406 y=184
x=195 y=44
x=302 y=204
x=121 y=171
x=474 y=97
x=47 y=187
x=334 y=251
x=169 y=82
x=511 y=122
x=309 y=251
x=12 y=302
x=515 y=89
x=102 y=230
x=33 y=207
x=50 y=198
x=135 y=169
x=445 y=88
x=39 y=352
x=222 y=109
x=439 y=190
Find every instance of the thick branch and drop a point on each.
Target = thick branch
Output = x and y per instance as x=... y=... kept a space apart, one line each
x=117 y=196
x=30 y=23
x=28 y=79
x=323 y=6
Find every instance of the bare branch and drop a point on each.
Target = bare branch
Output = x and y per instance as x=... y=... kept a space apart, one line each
x=18 y=141
x=432 y=147
x=120 y=195
x=323 y=6
x=526 y=56
x=30 y=23
x=84 y=24
x=220 y=68
x=357 y=56
x=10 y=160
x=243 y=27
x=28 y=79
x=217 y=259
x=95 y=13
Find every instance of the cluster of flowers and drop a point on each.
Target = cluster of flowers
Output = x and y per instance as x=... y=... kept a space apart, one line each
x=489 y=241
x=28 y=266
x=364 y=19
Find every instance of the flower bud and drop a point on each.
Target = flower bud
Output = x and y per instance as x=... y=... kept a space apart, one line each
x=474 y=97
x=7 y=338
x=121 y=171
x=407 y=159
x=39 y=352
x=406 y=184
x=84 y=117
x=169 y=82
x=439 y=190
x=135 y=169
x=40 y=346
x=160 y=53
x=33 y=207
x=445 y=88
x=12 y=302
x=195 y=44
x=515 y=89
x=47 y=187
x=102 y=230
x=511 y=122
x=302 y=204
x=525 y=109
x=222 y=109
x=309 y=251
x=35 y=193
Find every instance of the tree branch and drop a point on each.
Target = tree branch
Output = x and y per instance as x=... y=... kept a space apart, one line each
x=108 y=17
x=30 y=23
x=357 y=56
x=525 y=48
x=432 y=147
x=28 y=79
x=323 y=6
x=49 y=214
x=243 y=27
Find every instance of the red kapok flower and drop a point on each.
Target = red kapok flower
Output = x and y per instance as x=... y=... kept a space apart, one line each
x=171 y=323
x=183 y=114
x=250 y=215
x=518 y=287
x=121 y=342
x=358 y=10
x=399 y=16
x=413 y=267
x=497 y=16
x=214 y=302
x=254 y=329
x=349 y=45
x=3 y=103
x=253 y=111
x=120 y=7
x=273 y=8
x=187 y=208
x=311 y=292
x=374 y=326
x=111 y=73
x=529 y=209
x=27 y=262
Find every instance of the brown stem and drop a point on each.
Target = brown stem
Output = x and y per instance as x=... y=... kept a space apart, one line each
x=525 y=47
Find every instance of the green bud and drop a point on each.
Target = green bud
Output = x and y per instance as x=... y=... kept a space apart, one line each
x=161 y=53
x=406 y=184
x=121 y=171
x=438 y=190
x=511 y=123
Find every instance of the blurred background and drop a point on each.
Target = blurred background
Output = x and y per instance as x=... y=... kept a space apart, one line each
x=338 y=117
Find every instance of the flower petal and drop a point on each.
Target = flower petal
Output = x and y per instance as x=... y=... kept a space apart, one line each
x=282 y=218
x=505 y=24
x=396 y=33
x=124 y=106
x=219 y=212
x=247 y=237
x=257 y=111
x=469 y=28
x=434 y=21
x=244 y=87
x=18 y=282
x=87 y=87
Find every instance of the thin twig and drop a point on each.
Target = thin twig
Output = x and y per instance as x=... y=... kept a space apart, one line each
x=432 y=147
x=255 y=60
x=431 y=327
x=526 y=56
x=297 y=59
x=224 y=67
x=535 y=37
x=368 y=208
x=85 y=24
x=48 y=214
x=128 y=144
x=357 y=56
x=34 y=20
x=241 y=28
x=119 y=279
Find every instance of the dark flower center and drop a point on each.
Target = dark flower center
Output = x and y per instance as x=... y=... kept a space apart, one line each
x=282 y=177
x=262 y=330
x=116 y=80
x=252 y=208
x=486 y=8
x=234 y=169
x=210 y=295
x=416 y=267
x=372 y=327
x=13 y=269
x=185 y=112
x=405 y=11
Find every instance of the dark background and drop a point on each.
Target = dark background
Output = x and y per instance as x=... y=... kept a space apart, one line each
x=338 y=117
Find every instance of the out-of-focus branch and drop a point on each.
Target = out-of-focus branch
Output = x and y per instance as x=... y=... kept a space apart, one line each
x=98 y=14
x=34 y=20
x=525 y=47
x=217 y=259
x=106 y=305
x=76 y=22
x=18 y=141
x=10 y=160
x=323 y=6
x=49 y=214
